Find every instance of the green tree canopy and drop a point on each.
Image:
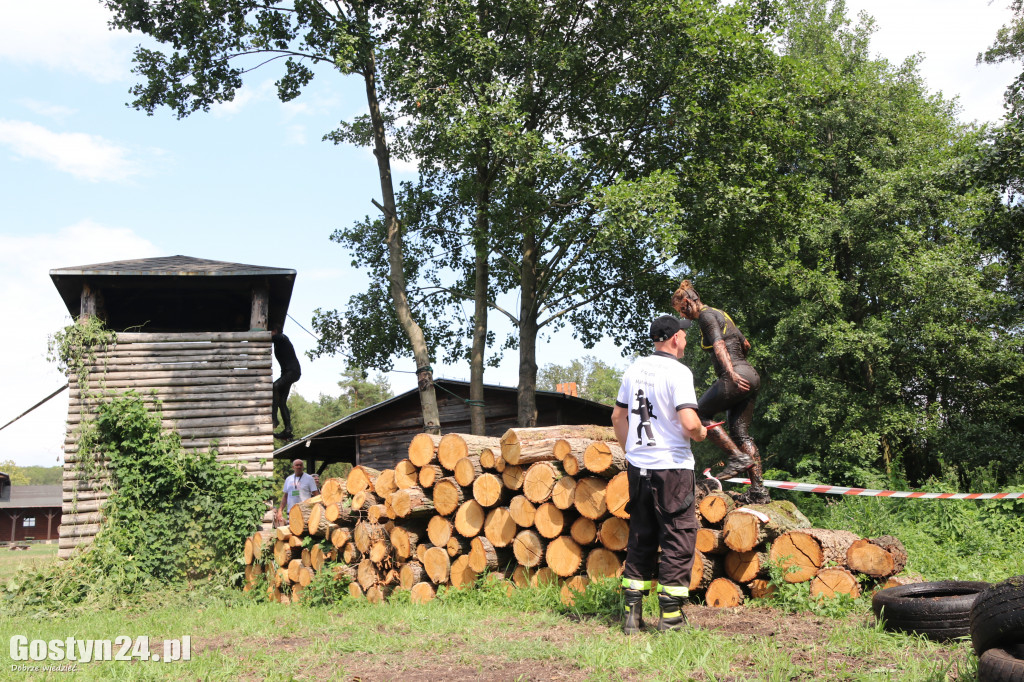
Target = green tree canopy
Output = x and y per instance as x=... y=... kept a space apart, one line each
x=595 y=379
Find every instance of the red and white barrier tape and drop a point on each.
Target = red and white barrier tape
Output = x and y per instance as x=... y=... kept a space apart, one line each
x=868 y=492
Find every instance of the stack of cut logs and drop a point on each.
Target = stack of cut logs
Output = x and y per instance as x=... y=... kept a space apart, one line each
x=539 y=505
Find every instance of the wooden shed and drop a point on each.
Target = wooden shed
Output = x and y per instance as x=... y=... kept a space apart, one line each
x=379 y=435
x=30 y=512
x=191 y=334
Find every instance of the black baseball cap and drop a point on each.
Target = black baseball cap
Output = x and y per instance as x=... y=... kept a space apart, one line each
x=666 y=326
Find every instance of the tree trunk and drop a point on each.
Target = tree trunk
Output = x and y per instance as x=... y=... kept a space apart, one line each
x=385 y=484
x=603 y=563
x=832 y=581
x=423 y=449
x=439 y=531
x=746 y=566
x=411 y=573
x=448 y=495
x=724 y=593
x=549 y=521
x=802 y=552
x=461 y=575
x=604 y=459
x=429 y=474
x=499 y=527
x=591 y=497
x=563 y=495
x=361 y=479
x=540 y=481
x=575 y=436
x=437 y=564
x=406 y=474
x=469 y=519
x=488 y=490
x=572 y=588
x=583 y=531
x=614 y=534
x=467 y=469
x=409 y=502
x=454 y=446
x=564 y=556
x=522 y=511
x=711 y=541
x=482 y=228
x=878 y=557
x=706 y=569
x=528 y=548
x=396 y=249
x=747 y=527
x=616 y=495
x=421 y=593
x=714 y=506
x=528 y=312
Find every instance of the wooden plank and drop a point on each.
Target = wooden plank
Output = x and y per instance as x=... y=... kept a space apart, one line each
x=162 y=372
x=253 y=382
x=176 y=362
x=68 y=530
x=153 y=337
x=176 y=416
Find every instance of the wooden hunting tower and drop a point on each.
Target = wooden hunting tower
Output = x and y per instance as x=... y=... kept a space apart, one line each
x=193 y=335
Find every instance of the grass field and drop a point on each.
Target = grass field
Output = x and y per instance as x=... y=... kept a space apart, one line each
x=488 y=635
x=12 y=562
x=467 y=639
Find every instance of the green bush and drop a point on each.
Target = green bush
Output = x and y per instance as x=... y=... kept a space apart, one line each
x=172 y=516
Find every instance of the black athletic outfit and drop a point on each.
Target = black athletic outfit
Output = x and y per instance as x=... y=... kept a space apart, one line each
x=284 y=351
x=724 y=395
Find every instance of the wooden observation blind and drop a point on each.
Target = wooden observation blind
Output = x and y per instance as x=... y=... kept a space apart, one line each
x=199 y=346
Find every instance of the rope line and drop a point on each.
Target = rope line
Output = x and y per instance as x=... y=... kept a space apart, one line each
x=47 y=398
x=870 y=492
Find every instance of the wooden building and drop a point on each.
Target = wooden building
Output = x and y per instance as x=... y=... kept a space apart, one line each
x=30 y=512
x=379 y=435
x=198 y=345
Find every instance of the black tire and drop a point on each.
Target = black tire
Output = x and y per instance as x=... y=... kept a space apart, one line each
x=997 y=616
x=940 y=611
x=1002 y=665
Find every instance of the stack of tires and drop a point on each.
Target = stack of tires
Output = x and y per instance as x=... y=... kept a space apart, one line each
x=997 y=631
x=941 y=611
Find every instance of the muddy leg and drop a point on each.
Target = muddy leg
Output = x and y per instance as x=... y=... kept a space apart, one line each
x=738 y=461
x=757 y=494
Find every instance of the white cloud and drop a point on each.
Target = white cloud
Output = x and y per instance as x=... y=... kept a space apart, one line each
x=85 y=156
x=54 y=111
x=295 y=134
x=34 y=310
x=949 y=34
x=65 y=35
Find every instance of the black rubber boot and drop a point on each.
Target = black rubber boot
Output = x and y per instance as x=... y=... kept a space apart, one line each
x=672 y=616
x=634 y=621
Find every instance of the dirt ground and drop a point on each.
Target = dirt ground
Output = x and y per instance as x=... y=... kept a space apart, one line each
x=801 y=634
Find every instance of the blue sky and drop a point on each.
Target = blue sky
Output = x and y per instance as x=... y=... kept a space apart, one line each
x=86 y=179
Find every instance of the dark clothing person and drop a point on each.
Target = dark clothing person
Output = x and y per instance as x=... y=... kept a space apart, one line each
x=290 y=373
x=724 y=395
x=661 y=514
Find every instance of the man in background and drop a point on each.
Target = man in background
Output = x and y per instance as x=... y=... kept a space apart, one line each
x=290 y=373
x=298 y=487
x=657 y=402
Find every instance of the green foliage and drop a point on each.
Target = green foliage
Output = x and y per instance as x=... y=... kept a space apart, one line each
x=595 y=379
x=324 y=590
x=74 y=347
x=32 y=475
x=945 y=539
x=796 y=597
x=601 y=599
x=852 y=246
x=172 y=515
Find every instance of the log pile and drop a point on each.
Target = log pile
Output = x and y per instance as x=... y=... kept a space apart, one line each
x=540 y=505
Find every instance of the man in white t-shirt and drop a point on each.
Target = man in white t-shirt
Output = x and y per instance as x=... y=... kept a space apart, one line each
x=298 y=487
x=655 y=418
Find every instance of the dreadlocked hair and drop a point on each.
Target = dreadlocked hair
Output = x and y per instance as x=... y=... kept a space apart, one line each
x=685 y=291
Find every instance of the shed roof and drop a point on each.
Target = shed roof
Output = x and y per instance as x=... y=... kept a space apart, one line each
x=316 y=445
x=174 y=266
x=176 y=293
x=34 y=496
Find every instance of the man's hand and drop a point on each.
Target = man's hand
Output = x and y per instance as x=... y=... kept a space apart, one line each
x=279 y=518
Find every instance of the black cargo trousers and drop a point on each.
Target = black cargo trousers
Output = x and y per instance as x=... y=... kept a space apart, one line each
x=661 y=513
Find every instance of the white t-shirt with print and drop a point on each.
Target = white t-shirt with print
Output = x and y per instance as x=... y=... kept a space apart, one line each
x=299 y=491
x=653 y=390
